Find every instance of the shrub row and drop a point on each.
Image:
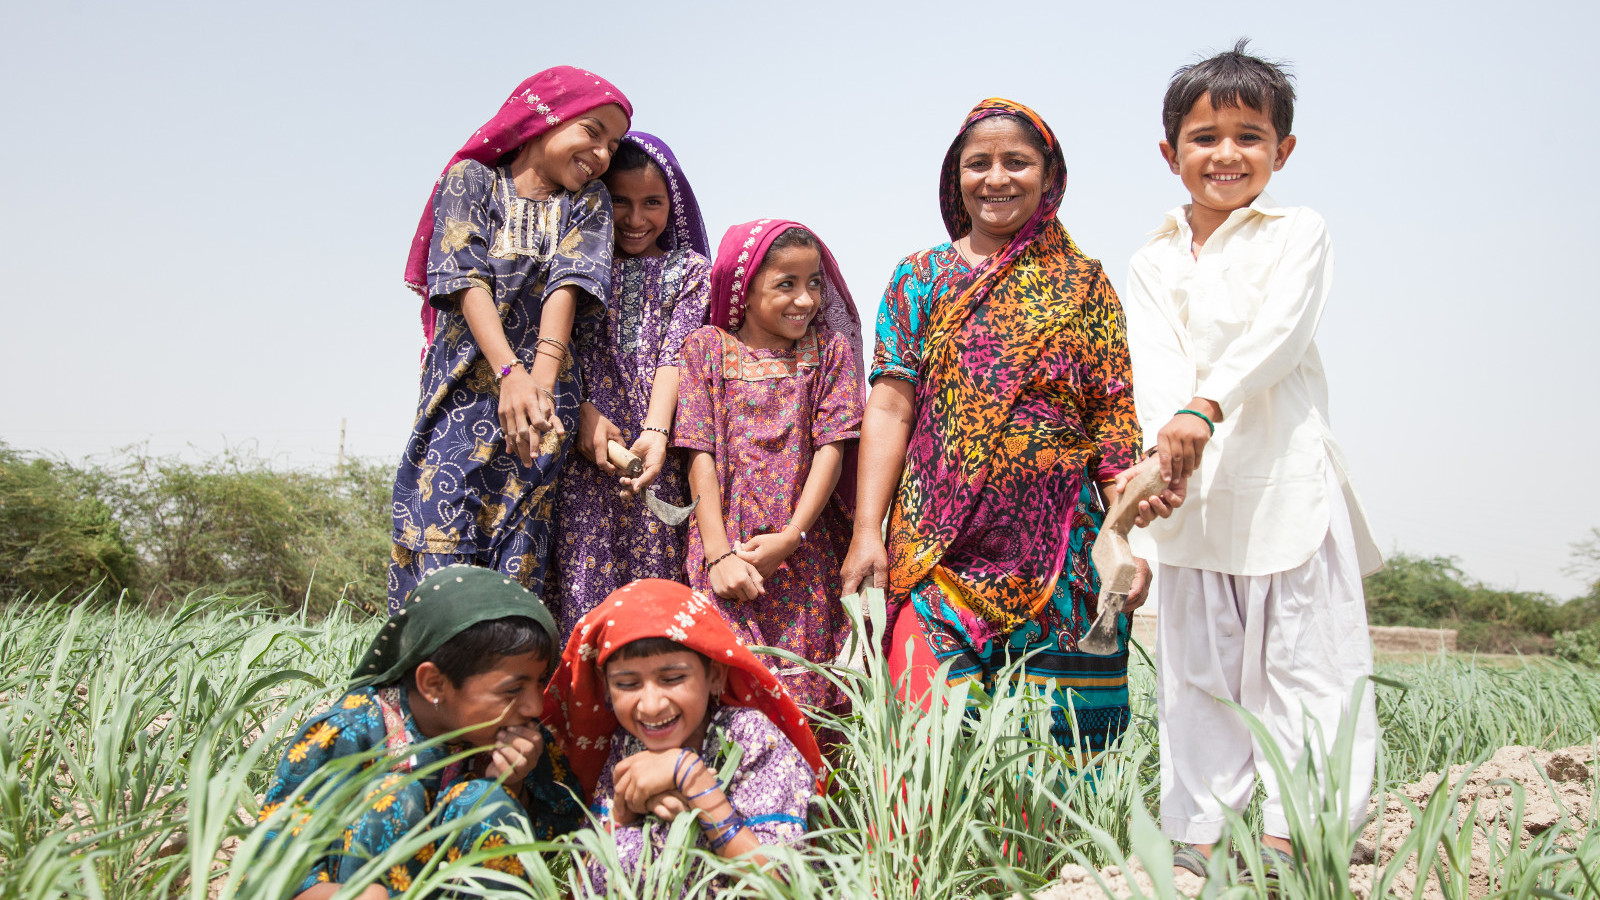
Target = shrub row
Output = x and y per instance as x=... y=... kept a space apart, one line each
x=163 y=528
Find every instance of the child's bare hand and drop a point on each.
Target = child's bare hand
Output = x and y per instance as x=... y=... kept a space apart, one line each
x=1180 y=443
x=735 y=579
x=517 y=750
x=594 y=430
x=651 y=448
x=1159 y=506
x=523 y=415
x=668 y=805
x=767 y=552
x=1139 y=591
x=648 y=773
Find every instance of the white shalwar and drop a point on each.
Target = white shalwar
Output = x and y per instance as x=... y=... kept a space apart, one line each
x=1288 y=647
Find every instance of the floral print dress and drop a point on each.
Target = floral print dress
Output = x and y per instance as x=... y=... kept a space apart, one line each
x=459 y=497
x=603 y=541
x=367 y=718
x=772 y=788
x=762 y=414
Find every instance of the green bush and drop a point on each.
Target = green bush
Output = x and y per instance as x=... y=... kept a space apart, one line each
x=54 y=534
x=1433 y=592
x=171 y=527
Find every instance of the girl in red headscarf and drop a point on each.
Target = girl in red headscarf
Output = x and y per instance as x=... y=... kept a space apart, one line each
x=769 y=403
x=653 y=694
x=517 y=231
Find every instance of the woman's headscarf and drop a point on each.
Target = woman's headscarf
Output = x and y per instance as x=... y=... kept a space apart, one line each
x=539 y=104
x=739 y=256
x=578 y=711
x=686 y=230
x=965 y=441
x=445 y=603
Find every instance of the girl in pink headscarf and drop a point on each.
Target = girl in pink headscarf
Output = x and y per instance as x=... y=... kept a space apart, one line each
x=769 y=403
x=517 y=231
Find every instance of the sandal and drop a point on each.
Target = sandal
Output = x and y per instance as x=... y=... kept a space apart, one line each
x=1273 y=864
x=1189 y=859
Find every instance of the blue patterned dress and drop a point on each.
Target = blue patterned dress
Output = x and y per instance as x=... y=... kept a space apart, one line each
x=358 y=723
x=459 y=497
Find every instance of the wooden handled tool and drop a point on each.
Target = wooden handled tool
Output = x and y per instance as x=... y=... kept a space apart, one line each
x=1113 y=558
x=632 y=467
x=623 y=458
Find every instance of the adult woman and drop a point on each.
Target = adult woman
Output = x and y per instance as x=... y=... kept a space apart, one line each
x=517 y=229
x=1001 y=392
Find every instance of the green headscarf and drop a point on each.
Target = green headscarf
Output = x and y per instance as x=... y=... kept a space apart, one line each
x=445 y=603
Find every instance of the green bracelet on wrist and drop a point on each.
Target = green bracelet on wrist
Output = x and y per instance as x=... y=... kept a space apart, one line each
x=1203 y=417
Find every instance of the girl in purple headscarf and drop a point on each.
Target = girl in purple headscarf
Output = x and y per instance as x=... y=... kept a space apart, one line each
x=628 y=349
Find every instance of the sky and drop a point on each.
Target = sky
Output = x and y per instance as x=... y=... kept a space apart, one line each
x=207 y=206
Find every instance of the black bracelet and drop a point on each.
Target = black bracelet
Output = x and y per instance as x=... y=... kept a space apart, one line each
x=724 y=556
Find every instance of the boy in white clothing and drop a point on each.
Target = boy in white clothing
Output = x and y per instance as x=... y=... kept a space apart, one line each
x=1259 y=585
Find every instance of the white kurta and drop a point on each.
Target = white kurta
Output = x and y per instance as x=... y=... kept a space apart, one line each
x=1235 y=326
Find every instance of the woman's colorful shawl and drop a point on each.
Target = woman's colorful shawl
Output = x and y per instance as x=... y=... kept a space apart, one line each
x=1024 y=385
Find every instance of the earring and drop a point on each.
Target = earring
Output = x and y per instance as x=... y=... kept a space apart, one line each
x=435 y=701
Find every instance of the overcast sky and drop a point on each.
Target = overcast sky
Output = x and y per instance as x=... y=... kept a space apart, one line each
x=207 y=206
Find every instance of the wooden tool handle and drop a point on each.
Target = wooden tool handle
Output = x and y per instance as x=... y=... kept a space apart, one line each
x=624 y=459
x=1113 y=558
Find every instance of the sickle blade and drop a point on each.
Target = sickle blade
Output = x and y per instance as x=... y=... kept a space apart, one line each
x=666 y=512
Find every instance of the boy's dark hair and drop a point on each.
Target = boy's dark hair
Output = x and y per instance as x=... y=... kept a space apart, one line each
x=630 y=157
x=1233 y=79
x=654 y=646
x=480 y=647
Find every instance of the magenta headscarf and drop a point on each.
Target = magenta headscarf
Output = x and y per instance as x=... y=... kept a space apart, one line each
x=739 y=256
x=539 y=103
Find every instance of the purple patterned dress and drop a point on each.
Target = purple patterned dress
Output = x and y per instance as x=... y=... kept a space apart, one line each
x=602 y=541
x=771 y=789
x=762 y=414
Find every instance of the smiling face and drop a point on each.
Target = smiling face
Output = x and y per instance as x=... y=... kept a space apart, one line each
x=577 y=152
x=642 y=207
x=1225 y=157
x=662 y=699
x=1002 y=178
x=508 y=695
x=783 y=298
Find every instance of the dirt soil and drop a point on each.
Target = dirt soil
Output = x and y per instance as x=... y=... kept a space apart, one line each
x=1555 y=782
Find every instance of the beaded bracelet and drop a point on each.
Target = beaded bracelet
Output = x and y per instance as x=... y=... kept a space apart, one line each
x=654 y=428
x=506 y=370
x=713 y=563
x=796 y=528
x=1203 y=417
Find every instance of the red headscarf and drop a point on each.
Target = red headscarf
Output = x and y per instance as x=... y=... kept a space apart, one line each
x=576 y=708
x=539 y=104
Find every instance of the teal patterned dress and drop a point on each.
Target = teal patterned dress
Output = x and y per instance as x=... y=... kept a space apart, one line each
x=459 y=497
x=367 y=718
